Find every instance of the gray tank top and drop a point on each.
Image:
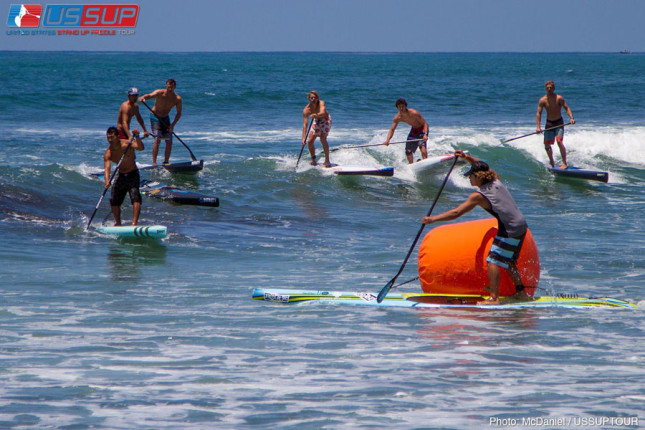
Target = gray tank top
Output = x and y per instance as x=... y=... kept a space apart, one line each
x=511 y=222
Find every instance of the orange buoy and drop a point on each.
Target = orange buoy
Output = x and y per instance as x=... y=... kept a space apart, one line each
x=452 y=260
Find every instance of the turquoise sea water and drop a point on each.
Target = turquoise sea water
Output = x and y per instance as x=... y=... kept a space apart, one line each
x=97 y=333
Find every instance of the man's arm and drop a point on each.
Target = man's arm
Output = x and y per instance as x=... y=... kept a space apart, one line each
x=137 y=143
x=568 y=111
x=395 y=122
x=137 y=114
x=177 y=116
x=475 y=199
x=107 y=166
x=123 y=119
x=538 y=117
x=151 y=95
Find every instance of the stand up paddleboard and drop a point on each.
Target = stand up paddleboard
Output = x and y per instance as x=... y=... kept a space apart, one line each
x=575 y=172
x=138 y=231
x=181 y=167
x=182 y=196
x=431 y=163
x=423 y=300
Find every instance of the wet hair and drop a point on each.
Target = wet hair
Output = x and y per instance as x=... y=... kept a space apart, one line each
x=313 y=93
x=486 y=176
x=112 y=130
x=400 y=102
x=482 y=171
x=171 y=81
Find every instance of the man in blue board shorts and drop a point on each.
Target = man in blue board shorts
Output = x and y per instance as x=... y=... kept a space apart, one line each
x=160 y=125
x=418 y=132
x=553 y=103
x=127 y=179
x=495 y=199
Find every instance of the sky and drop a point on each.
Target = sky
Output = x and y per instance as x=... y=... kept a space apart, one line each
x=354 y=26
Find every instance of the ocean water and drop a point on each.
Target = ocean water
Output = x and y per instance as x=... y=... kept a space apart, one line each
x=105 y=334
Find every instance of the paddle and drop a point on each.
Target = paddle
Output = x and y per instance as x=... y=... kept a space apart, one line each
x=373 y=144
x=304 y=142
x=389 y=285
x=535 y=132
x=192 y=156
x=116 y=171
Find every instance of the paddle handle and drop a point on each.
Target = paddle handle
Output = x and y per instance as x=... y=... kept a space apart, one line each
x=192 y=156
x=389 y=285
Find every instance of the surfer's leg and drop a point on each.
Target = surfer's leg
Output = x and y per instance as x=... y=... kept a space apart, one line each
x=325 y=145
x=563 y=152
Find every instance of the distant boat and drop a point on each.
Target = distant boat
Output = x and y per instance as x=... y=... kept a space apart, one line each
x=625 y=51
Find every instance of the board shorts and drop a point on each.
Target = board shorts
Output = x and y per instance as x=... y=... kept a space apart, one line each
x=505 y=250
x=411 y=147
x=122 y=134
x=159 y=127
x=126 y=183
x=551 y=135
x=320 y=127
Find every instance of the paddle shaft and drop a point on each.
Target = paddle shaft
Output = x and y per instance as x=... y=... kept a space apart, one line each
x=304 y=141
x=535 y=132
x=389 y=285
x=373 y=144
x=116 y=171
x=192 y=156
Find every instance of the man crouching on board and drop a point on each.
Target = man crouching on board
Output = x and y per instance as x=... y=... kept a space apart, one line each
x=494 y=198
x=127 y=179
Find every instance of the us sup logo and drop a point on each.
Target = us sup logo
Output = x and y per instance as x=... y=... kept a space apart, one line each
x=72 y=19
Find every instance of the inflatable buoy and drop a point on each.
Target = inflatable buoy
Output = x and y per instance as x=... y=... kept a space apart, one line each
x=452 y=260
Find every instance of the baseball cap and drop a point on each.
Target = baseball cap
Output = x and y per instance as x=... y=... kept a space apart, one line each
x=133 y=91
x=477 y=166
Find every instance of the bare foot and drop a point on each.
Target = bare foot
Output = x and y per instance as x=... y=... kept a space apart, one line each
x=327 y=164
x=313 y=162
x=489 y=301
x=521 y=296
x=563 y=166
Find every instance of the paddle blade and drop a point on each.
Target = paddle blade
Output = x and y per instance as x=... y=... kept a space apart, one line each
x=386 y=289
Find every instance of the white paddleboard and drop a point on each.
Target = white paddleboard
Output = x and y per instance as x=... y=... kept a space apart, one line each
x=431 y=163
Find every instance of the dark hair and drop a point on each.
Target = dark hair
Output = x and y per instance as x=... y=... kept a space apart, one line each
x=401 y=101
x=171 y=81
x=112 y=130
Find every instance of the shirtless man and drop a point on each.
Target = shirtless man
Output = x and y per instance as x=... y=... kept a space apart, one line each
x=127 y=180
x=165 y=100
x=319 y=128
x=553 y=103
x=129 y=109
x=418 y=132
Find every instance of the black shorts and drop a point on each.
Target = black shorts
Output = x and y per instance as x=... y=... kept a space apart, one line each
x=126 y=183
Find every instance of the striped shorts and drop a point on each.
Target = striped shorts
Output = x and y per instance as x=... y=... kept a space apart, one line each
x=505 y=250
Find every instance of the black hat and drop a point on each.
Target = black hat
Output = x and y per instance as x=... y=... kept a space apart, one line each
x=477 y=166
